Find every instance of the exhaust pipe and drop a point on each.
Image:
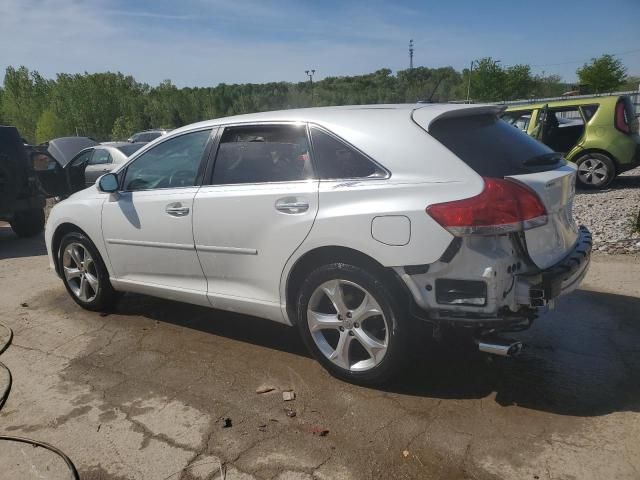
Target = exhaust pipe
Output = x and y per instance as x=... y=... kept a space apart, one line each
x=499 y=346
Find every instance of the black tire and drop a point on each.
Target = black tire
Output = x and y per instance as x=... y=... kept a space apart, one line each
x=595 y=163
x=105 y=297
x=397 y=340
x=28 y=223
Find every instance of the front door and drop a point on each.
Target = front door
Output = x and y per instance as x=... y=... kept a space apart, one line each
x=99 y=164
x=260 y=205
x=147 y=227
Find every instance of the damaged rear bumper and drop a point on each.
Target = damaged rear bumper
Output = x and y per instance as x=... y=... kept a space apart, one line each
x=513 y=288
x=564 y=277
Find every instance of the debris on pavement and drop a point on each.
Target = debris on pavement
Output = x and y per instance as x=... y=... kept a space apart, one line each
x=288 y=395
x=405 y=453
x=290 y=412
x=265 y=389
x=226 y=423
x=320 y=431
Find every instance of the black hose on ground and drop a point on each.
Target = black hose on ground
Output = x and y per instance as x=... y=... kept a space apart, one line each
x=3 y=398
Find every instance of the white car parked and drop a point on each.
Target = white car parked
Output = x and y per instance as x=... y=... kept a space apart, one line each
x=350 y=222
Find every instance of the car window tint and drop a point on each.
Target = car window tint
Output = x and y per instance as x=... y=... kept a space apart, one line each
x=171 y=164
x=335 y=159
x=100 y=156
x=265 y=153
x=589 y=111
x=492 y=147
x=130 y=148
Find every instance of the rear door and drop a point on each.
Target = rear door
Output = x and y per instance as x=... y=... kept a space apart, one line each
x=50 y=174
x=493 y=148
x=259 y=206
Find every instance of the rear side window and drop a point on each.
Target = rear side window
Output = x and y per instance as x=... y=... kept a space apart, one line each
x=492 y=147
x=335 y=159
x=263 y=153
x=589 y=111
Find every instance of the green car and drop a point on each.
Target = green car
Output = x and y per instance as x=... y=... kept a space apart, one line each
x=599 y=134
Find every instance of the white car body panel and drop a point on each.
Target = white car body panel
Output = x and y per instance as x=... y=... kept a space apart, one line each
x=148 y=246
x=234 y=250
x=243 y=260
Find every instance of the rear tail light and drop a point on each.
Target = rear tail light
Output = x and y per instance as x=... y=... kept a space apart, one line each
x=621 y=121
x=504 y=206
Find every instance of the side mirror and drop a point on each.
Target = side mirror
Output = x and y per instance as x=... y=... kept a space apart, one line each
x=108 y=183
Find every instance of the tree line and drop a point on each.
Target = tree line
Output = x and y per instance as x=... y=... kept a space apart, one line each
x=111 y=106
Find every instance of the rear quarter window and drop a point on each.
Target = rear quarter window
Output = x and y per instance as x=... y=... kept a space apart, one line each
x=492 y=147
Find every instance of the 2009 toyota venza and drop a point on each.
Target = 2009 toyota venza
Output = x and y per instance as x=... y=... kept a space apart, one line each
x=352 y=223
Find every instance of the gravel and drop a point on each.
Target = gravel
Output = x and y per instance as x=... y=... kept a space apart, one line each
x=612 y=215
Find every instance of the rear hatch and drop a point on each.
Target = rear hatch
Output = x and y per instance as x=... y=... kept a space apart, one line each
x=495 y=149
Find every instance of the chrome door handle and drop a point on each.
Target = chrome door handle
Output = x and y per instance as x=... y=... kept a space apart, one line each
x=291 y=205
x=177 y=210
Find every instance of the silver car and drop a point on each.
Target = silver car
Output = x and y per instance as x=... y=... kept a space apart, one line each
x=92 y=162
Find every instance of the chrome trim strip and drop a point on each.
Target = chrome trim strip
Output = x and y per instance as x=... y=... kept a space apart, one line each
x=235 y=250
x=144 y=243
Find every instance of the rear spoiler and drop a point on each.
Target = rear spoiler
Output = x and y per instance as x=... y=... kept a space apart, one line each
x=426 y=116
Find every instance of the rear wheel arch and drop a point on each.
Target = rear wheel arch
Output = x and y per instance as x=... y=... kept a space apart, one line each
x=335 y=254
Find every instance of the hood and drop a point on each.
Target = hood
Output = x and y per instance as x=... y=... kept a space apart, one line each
x=65 y=148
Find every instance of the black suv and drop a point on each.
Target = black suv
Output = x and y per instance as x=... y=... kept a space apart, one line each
x=29 y=175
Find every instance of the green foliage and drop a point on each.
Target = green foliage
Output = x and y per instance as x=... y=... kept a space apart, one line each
x=110 y=105
x=25 y=96
x=603 y=74
x=49 y=126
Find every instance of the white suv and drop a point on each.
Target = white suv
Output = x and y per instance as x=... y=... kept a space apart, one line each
x=352 y=223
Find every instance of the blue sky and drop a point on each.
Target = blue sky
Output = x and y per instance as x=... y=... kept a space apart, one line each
x=206 y=42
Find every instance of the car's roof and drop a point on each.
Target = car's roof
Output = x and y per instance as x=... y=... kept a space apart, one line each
x=341 y=114
x=113 y=144
x=394 y=135
x=574 y=102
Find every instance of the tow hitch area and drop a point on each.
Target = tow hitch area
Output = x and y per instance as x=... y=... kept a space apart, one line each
x=499 y=346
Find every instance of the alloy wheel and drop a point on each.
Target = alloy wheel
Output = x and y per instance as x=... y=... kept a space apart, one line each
x=348 y=325
x=593 y=172
x=80 y=272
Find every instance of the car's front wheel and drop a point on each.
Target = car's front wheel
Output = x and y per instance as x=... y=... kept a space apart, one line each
x=84 y=273
x=352 y=323
x=595 y=170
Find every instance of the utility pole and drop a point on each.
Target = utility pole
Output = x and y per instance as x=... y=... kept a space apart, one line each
x=310 y=74
x=469 y=82
x=411 y=54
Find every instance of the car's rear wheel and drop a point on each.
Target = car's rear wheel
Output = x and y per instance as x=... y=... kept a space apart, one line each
x=352 y=323
x=84 y=273
x=28 y=223
x=595 y=170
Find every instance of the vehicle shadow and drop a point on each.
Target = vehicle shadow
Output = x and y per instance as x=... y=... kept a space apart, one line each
x=12 y=246
x=581 y=359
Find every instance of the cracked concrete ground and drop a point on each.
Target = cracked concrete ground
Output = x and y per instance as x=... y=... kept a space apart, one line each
x=142 y=393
